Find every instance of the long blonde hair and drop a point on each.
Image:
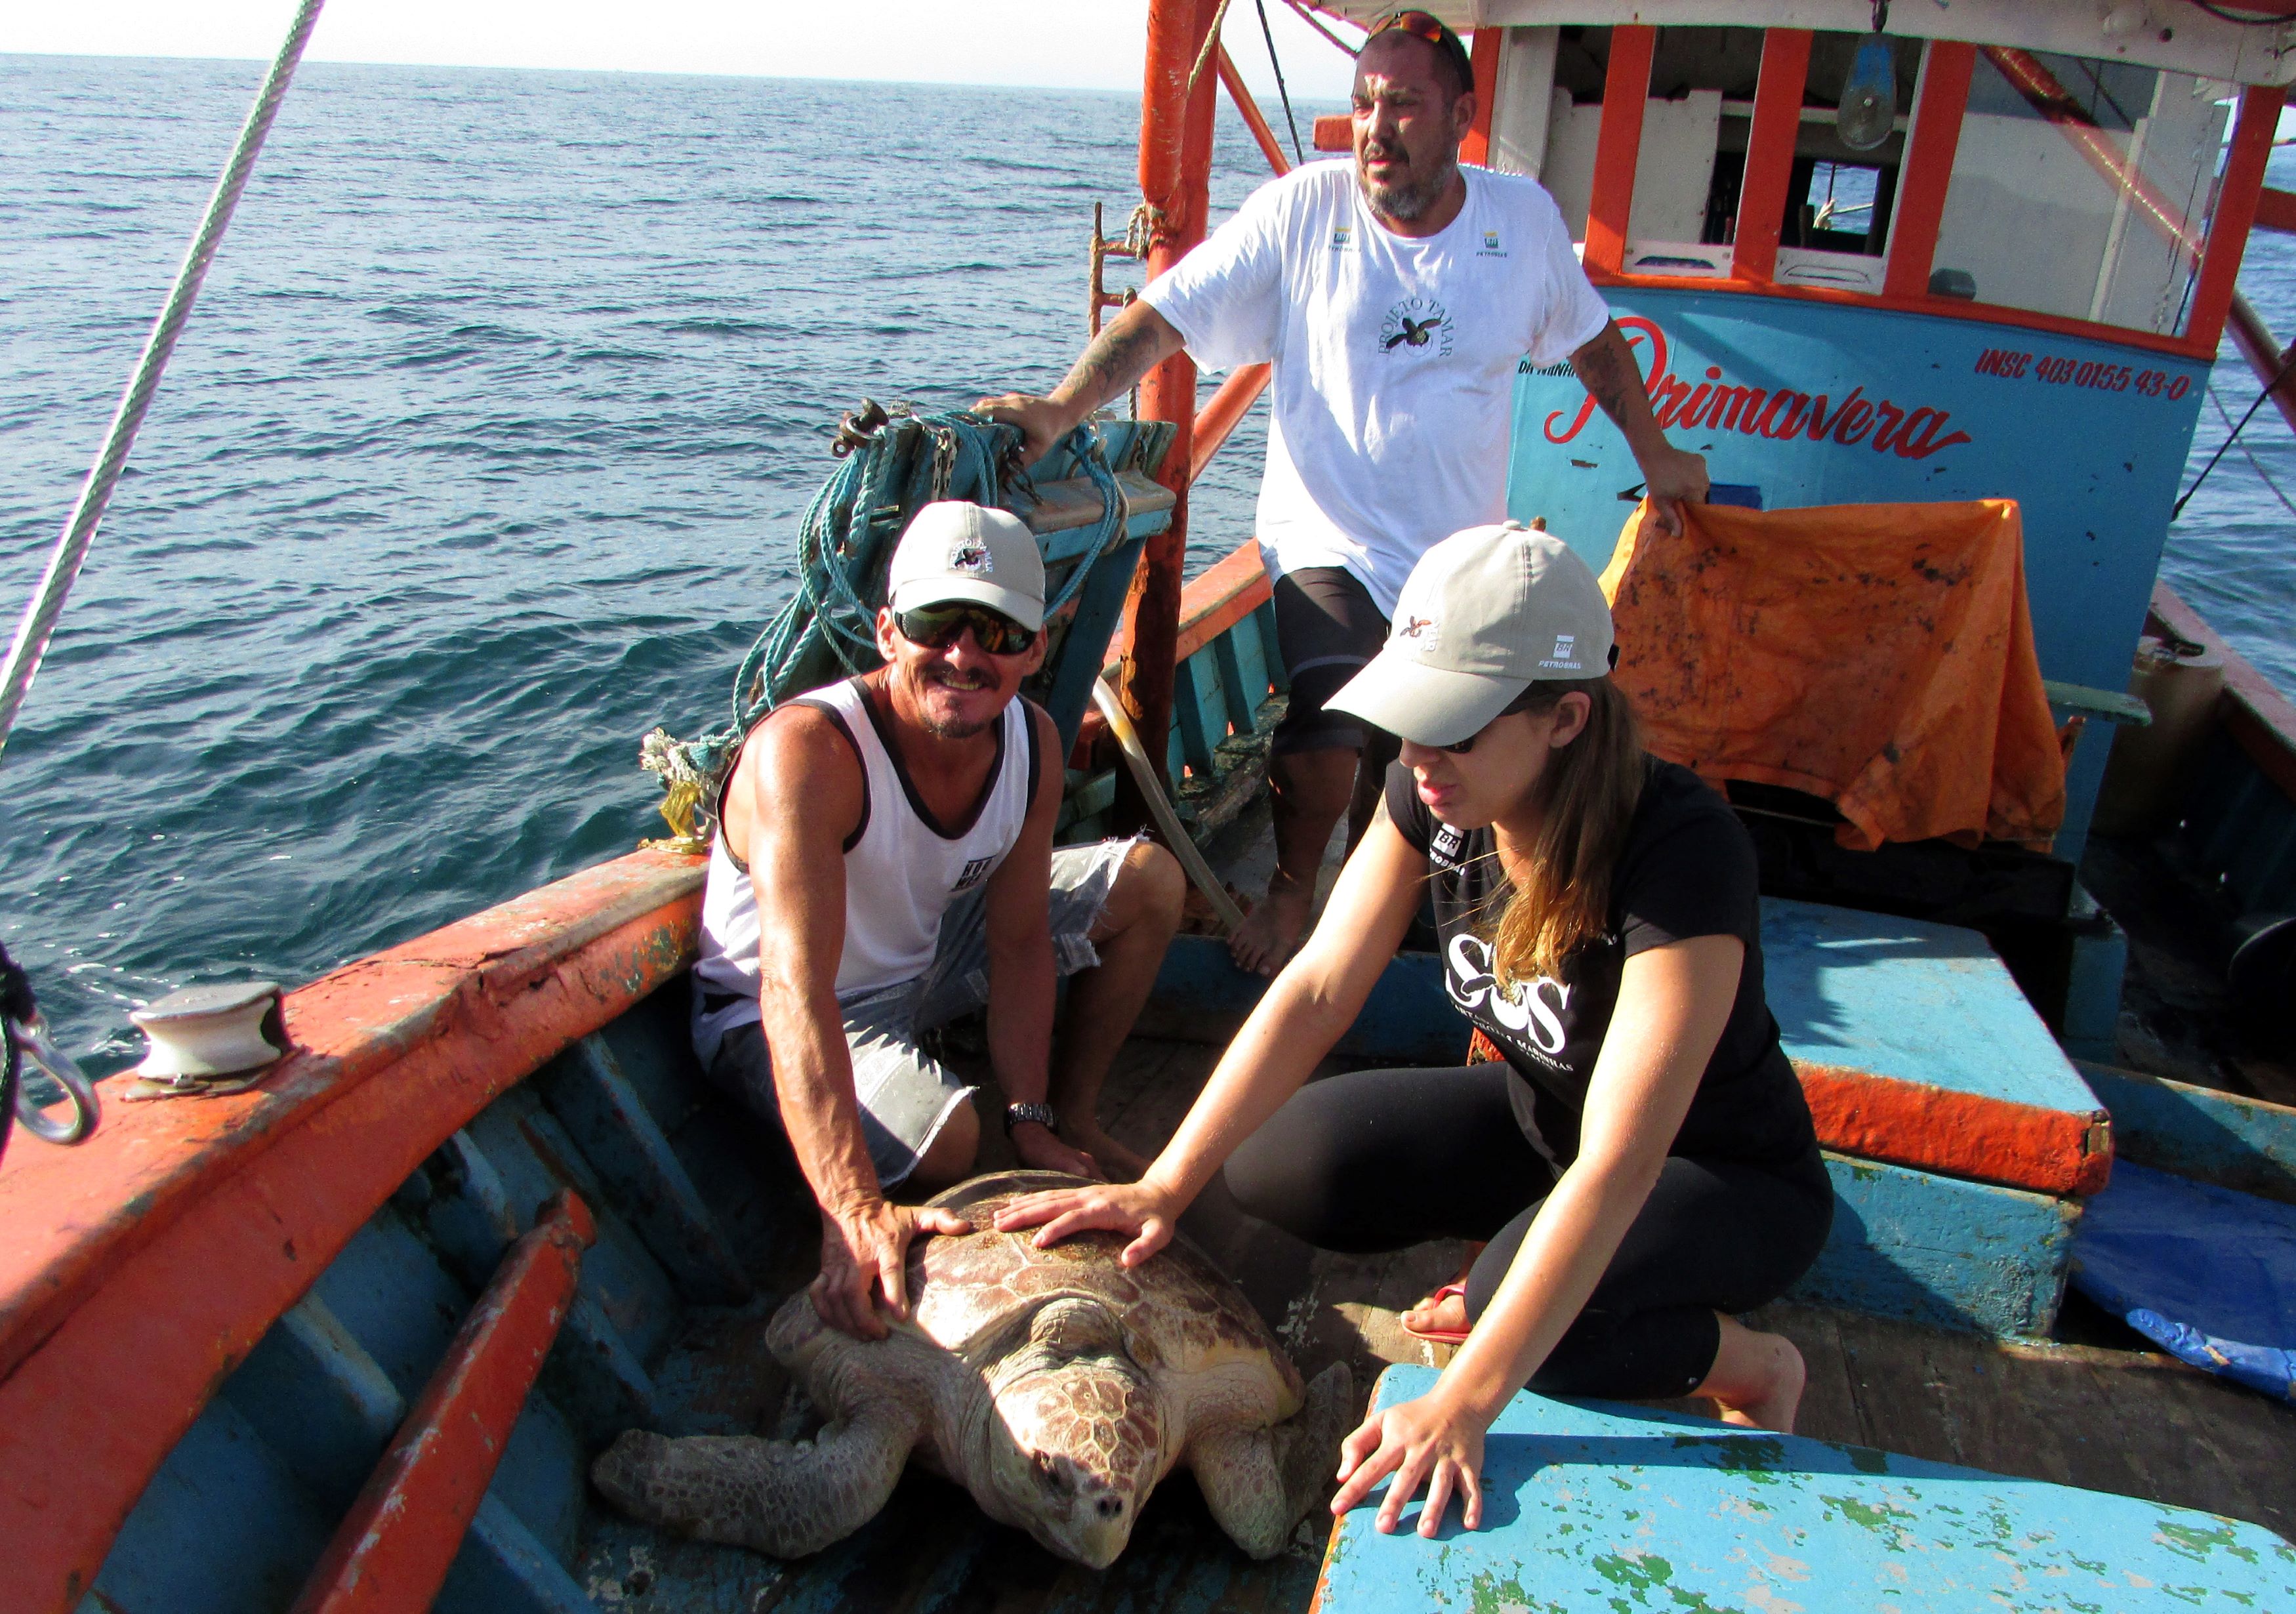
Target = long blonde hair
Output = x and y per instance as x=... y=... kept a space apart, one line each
x=1586 y=804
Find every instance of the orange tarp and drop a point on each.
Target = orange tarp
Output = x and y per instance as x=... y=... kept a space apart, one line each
x=1880 y=656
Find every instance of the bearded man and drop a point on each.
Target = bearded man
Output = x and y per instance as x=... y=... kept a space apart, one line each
x=884 y=863
x=1394 y=296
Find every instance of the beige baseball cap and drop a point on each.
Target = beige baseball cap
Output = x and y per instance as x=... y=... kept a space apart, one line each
x=957 y=551
x=1486 y=614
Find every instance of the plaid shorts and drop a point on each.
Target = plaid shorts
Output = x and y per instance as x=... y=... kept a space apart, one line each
x=906 y=1094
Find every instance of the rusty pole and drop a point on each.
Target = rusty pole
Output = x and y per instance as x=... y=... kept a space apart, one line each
x=1176 y=149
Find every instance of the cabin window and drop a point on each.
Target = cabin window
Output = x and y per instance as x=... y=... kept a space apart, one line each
x=2081 y=188
x=1841 y=191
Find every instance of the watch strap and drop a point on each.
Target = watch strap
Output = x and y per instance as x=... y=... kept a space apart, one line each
x=1042 y=1114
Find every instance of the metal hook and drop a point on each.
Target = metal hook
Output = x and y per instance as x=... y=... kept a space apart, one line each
x=31 y=1040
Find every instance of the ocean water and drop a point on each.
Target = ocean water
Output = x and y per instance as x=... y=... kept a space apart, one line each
x=484 y=452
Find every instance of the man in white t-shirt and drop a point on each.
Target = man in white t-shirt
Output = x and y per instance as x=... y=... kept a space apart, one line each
x=1395 y=295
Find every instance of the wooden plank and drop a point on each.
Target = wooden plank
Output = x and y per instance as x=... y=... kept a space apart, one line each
x=2197 y=1131
x=1938 y=1250
x=393 y=1549
x=1595 y=1506
x=1075 y=502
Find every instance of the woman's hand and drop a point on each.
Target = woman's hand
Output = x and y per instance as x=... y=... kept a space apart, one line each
x=1433 y=1440
x=1140 y=1211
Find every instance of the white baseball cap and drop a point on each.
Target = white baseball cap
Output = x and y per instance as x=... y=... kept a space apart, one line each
x=957 y=551
x=1486 y=614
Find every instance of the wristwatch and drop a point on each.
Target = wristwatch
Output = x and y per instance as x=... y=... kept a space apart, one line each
x=1042 y=1114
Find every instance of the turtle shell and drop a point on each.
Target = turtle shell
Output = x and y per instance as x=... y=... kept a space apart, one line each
x=1181 y=1315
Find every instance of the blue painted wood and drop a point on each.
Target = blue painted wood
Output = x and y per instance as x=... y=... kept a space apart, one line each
x=1098 y=609
x=391 y=1294
x=1969 y=1257
x=2100 y=958
x=1244 y=673
x=504 y=1568
x=1263 y=616
x=2238 y=825
x=1590 y=1506
x=1199 y=708
x=1905 y=998
x=311 y=1392
x=2235 y=1142
x=585 y=1089
x=223 y=1528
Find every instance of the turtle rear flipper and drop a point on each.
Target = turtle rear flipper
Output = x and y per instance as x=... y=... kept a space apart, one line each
x=1259 y=1483
x=779 y=1498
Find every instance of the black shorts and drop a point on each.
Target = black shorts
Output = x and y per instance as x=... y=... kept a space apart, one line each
x=1327 y=628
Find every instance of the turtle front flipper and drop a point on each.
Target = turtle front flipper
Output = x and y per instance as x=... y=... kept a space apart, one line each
x=1259 y=1483
x=788 y=1499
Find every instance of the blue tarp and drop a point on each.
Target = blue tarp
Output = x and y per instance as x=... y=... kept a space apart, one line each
x=2207 y=1273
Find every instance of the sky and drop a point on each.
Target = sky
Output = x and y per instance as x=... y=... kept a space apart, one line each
x=1047 y=43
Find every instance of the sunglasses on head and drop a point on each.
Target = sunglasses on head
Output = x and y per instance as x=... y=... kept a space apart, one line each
x=1420 y=25
x=937 y=627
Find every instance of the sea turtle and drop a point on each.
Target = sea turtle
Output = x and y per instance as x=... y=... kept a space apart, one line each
x=1056 y=1385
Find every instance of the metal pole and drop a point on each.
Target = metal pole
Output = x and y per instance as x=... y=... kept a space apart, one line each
x=47 y=603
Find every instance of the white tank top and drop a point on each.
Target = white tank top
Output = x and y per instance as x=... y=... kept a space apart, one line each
x=902 y=870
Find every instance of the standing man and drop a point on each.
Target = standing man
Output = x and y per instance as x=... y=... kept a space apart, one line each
x=1394 y=296
x=884 y=863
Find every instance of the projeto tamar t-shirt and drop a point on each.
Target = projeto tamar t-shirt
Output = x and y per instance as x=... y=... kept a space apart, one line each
x=1395 y=358
x=1687 y=870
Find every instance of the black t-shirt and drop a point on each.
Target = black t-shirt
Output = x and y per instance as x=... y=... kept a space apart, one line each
x=1687 y=870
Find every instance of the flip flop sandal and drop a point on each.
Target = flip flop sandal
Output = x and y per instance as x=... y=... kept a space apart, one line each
x=1440 y=1336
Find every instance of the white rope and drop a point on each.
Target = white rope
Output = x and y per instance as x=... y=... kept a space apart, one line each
x=47 y=603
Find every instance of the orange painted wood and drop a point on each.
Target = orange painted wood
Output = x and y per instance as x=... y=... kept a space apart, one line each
x=1175 y=152
x=137 y=1270
x=2265 y=356
x=1618 y=146
x=1769 y=153
x=1232 y=589
x=2276 y=209
x=1253 y=119
x=2261 y=719
x=392 y=1550
x=1927 y=170
x=2234 y=212
x=1222 y=413
x=1334 y=131
x=1483 y=47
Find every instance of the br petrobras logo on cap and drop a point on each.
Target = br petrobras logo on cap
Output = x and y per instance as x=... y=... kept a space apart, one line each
x=1565 y=656
x=969 y=554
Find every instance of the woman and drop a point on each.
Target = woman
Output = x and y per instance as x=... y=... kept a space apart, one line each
x=1642 y=1164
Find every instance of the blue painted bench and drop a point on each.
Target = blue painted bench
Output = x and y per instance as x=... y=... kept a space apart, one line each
x=1960 y=1137
x=1592 y=1506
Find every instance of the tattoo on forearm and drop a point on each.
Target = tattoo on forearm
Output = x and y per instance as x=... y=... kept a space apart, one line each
x=1610 y=382
x=1120 y=355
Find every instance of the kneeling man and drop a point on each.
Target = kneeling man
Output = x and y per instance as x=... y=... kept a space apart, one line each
x=885 y=864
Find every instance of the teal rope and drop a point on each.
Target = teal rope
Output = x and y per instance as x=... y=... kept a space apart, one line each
x=845 y=541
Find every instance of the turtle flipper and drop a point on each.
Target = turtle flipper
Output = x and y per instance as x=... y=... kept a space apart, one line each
x=788 y=1499
x=1259 y=1483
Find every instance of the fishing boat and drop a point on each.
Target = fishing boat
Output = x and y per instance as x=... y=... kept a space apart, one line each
x=344 y=1331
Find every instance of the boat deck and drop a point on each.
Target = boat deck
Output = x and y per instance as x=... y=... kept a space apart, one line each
x=2132 y=1421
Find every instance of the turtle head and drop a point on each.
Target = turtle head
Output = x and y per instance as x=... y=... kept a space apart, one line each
x=1083 y=1433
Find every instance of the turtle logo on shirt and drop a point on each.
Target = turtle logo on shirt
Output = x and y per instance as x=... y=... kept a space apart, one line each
x=1418 y=323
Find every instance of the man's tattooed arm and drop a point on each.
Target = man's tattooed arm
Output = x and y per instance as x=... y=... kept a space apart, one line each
x=1672 y=475
x=1135 y=342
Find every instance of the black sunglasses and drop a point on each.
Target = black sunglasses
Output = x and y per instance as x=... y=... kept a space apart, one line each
x=1521 y=703
x=937 y=627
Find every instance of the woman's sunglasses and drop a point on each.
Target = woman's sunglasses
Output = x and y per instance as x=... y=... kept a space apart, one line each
x=1521 y=703
x=938 y=626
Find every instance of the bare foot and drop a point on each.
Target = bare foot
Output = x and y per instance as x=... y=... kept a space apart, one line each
x=1757 y=1379
x=1116 y=1162
x=1439 y=1314
x=1271 y=931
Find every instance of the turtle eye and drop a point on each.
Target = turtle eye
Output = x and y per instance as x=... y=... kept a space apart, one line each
x=1048 y=1469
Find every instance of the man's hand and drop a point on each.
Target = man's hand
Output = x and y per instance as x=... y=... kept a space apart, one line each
x=1040 y=1149
x=1673 y=478
x=864 y=1252
x=1042 y=421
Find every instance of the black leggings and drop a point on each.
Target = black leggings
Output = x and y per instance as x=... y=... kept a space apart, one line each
x=1378 y=1159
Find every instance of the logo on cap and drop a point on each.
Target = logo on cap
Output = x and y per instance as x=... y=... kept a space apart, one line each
x=968 y=554
x=1566 y=652
x=1413 y=626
